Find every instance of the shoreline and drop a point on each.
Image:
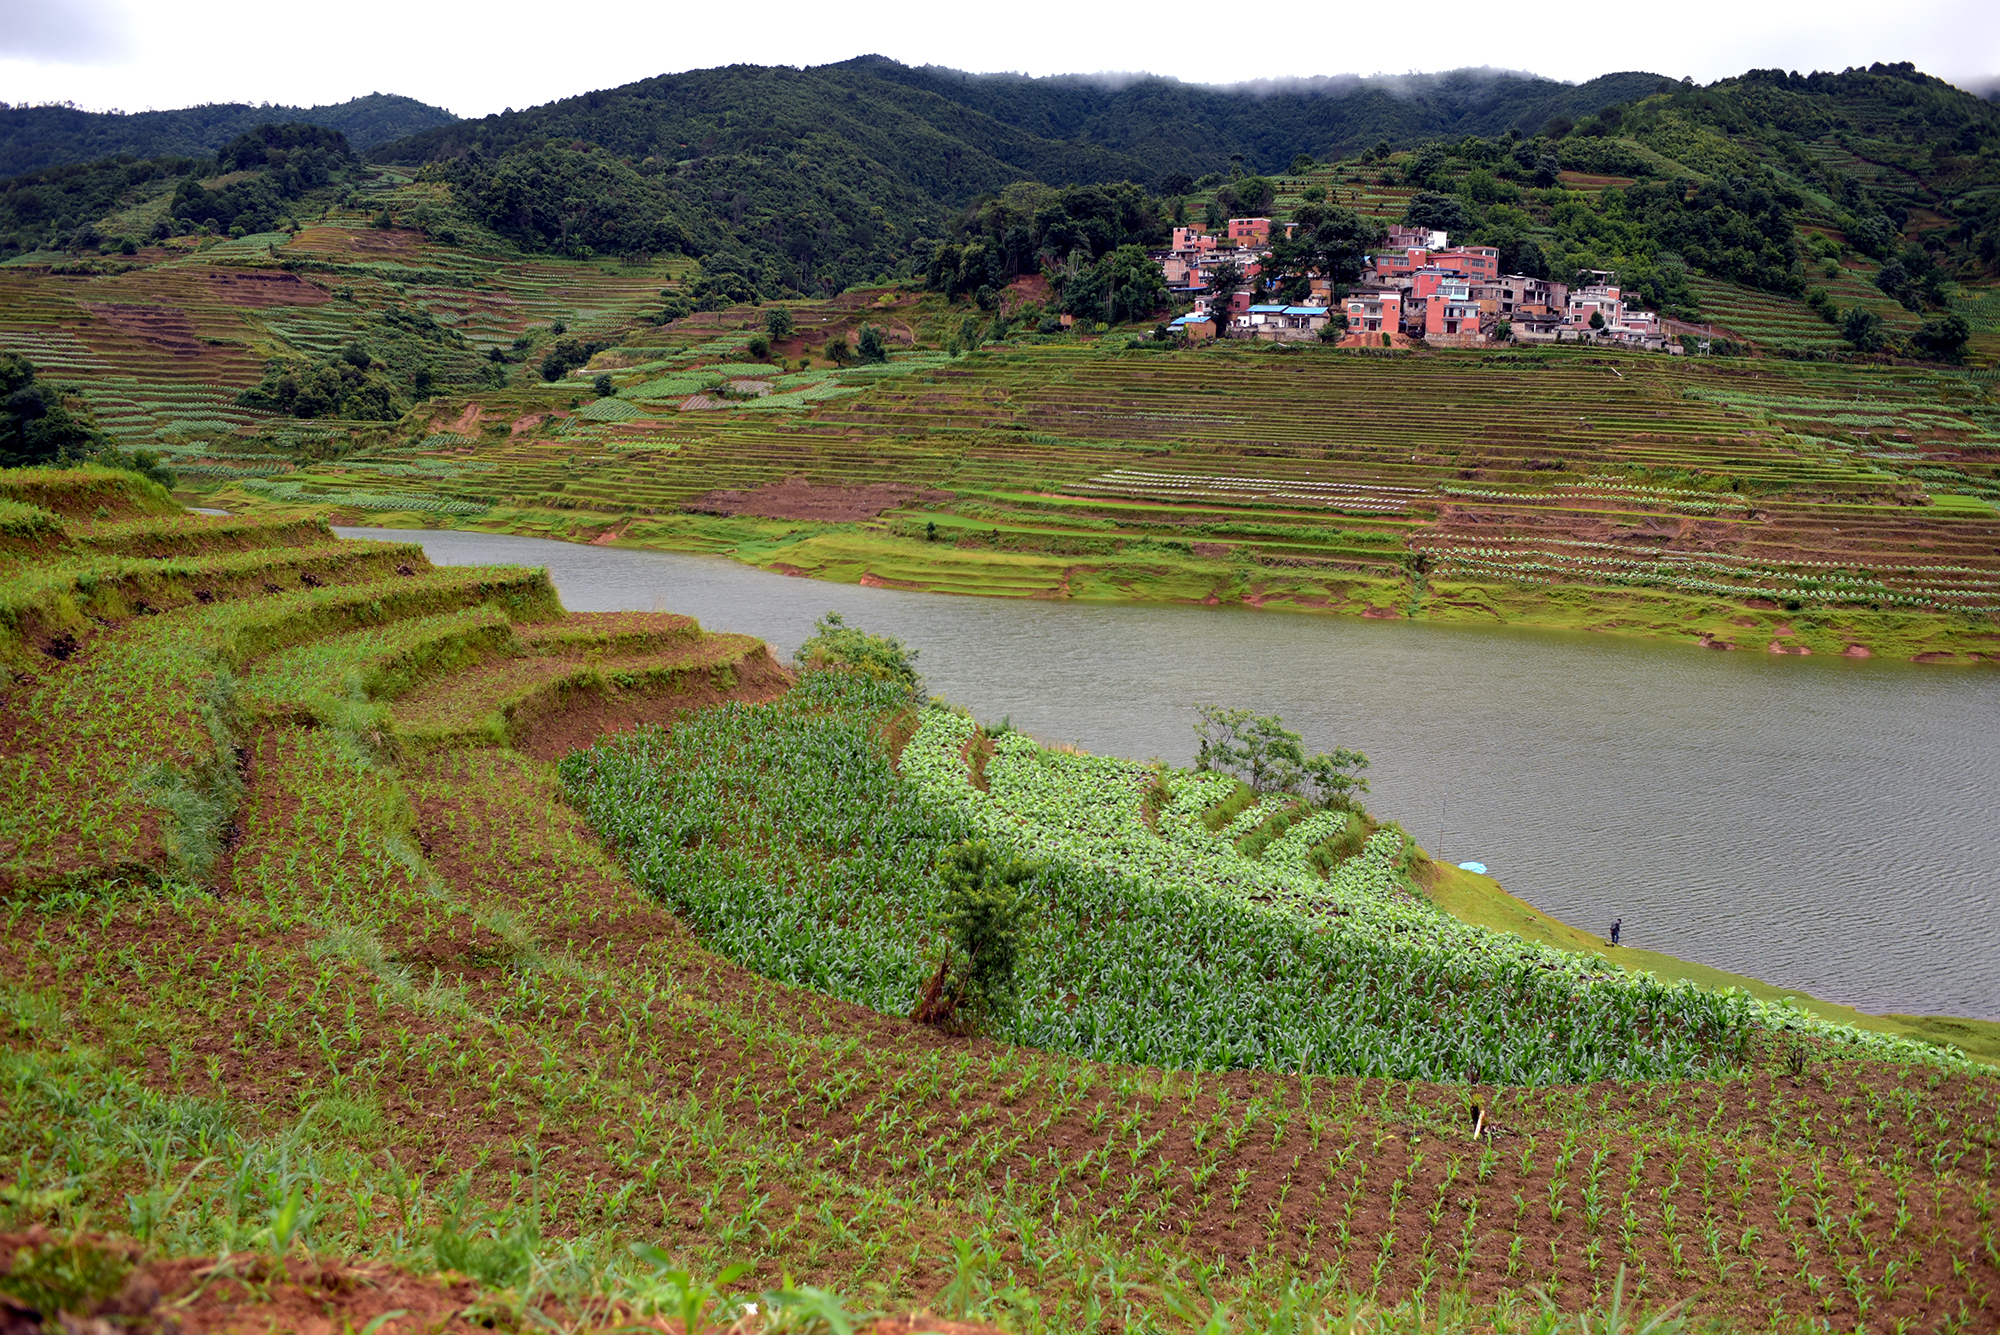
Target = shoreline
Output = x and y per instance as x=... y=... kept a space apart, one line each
x=859 y=554
x=1482 y=901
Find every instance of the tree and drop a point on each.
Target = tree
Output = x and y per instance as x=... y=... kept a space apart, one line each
x=601 y=386
x=1597 y=321
x=869 y=345
x=1135 y=287
x=1944 y=338
x=1223 y=280
x=1437 y=213
x=1334 y=329
x=1862 y=327
x=1330 y=242
x=1336 y=776
x=778 y=322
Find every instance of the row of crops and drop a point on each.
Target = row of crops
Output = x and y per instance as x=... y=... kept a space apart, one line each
x=784 y=835
x=1819 y=582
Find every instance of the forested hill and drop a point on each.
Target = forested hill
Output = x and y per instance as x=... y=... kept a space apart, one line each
x=954 y=134
x=34 y=138
x=822 y=177
x=1197 y=128
x=845 y=119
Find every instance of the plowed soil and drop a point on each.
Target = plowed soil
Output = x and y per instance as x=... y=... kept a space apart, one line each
x=307 y=1295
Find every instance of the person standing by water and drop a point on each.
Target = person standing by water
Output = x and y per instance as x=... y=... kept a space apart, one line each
x=1616 y=925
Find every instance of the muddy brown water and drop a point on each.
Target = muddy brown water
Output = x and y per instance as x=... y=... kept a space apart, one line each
x=1821 y=823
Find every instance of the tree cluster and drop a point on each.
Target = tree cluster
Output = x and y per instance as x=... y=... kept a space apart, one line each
x=34 y=139
x=577 y=200
x=60 y=206
x=353 y=386
x=1261 y=751
x=1326 y=241
x=41 y=422
x=290 y=162
x=1030 y=228
x=570 y=354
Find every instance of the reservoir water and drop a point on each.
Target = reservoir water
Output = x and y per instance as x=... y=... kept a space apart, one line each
x=1821 y=823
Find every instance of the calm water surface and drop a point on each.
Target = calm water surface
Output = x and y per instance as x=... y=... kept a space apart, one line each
x=1820 y=822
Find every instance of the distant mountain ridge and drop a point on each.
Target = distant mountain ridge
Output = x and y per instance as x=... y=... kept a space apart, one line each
x=1060 y=129
x=1269 y=123
x=33 y=138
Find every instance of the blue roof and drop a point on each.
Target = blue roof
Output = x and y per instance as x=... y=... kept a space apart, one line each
x=1305 y=310
x=1274 y=310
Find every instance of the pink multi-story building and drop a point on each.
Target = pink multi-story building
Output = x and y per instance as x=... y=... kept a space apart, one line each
x=1250 y=231
x=1480 y=262
x=1451 y=312
x=1193 y=238
x=1397 y=265
x=1375 y=310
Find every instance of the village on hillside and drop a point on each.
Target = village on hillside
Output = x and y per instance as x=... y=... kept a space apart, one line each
x=1420 y=288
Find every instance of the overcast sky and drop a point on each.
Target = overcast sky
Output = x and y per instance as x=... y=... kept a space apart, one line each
x=475 y=59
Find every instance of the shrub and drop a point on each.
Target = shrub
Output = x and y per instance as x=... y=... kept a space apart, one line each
x=1944 y=338
x=1862 y=328
x=869 y=346
x=984 y=912
x=836 y=645
x=603 y=387
x=760 y=347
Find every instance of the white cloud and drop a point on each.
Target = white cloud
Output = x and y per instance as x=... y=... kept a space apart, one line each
x=476 y=59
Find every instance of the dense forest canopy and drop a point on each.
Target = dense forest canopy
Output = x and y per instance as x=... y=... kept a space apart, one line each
x=1196 y=128
x=33 y=139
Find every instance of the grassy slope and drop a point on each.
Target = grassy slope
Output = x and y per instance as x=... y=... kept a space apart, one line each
x=1471 y=897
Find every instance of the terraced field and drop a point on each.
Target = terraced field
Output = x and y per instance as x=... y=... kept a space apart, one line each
x=1813 y=506
x=162 y=344
x=318 y=966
